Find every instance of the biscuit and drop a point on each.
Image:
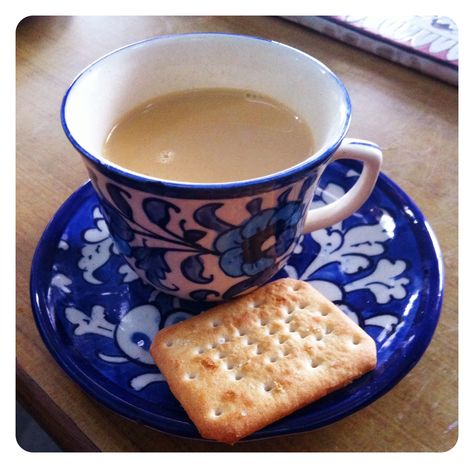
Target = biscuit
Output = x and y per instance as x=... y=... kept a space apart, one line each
x=246 y=363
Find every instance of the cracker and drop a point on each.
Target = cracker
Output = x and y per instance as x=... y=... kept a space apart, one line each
x=249 y=362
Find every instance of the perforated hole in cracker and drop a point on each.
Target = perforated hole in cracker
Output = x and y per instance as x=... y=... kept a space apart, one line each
x=324 y=311
x=282 y=339
x=268 y=386
x=303 y=304
x=315 y=363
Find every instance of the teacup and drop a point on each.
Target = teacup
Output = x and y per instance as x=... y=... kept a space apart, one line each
x=214 y=241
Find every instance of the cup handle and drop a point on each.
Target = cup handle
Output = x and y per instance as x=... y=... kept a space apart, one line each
x=371 y=156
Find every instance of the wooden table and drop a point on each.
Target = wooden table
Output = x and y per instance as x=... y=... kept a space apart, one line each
x=413 y=118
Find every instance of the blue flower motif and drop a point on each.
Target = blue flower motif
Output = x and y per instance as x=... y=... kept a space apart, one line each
x=152 y=261
x=251 y=248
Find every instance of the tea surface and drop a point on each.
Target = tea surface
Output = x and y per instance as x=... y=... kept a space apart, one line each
x=209 y=136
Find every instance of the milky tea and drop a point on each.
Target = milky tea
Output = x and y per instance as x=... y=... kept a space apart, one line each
x=209 y=136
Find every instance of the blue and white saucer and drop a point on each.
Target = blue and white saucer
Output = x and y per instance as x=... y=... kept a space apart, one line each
x=382 y=266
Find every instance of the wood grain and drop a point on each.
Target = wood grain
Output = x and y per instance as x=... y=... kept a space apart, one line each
x=413 y=118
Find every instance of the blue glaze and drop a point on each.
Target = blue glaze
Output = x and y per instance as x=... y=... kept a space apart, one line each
x=382 y=265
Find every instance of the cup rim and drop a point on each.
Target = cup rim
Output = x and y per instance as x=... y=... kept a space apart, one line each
x=291 y=172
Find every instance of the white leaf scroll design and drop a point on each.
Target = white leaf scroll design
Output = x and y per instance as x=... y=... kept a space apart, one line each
x=97 y=250
x=355 y=249
x=137 y=325
x=383 y=281
x=96 y=323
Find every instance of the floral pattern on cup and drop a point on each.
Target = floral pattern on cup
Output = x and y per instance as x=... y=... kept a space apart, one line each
x=154 y=233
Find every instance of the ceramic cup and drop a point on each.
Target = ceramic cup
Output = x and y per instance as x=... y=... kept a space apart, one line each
x=213 y=241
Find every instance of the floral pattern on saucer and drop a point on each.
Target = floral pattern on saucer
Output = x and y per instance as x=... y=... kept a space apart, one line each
x=381 y=266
